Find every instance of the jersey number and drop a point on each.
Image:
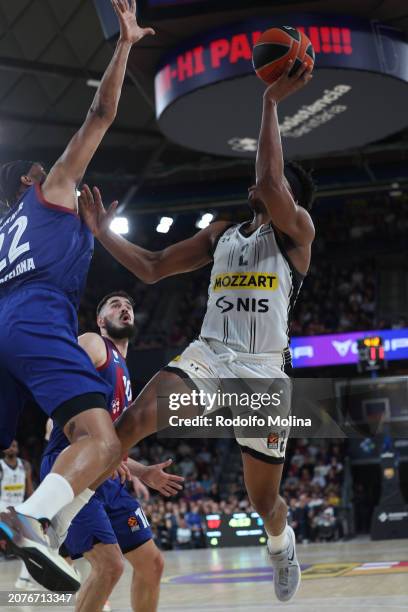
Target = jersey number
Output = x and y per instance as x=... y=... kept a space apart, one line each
x=242 y=260
x=16 y=249
x=142 y=518
x=128 y=388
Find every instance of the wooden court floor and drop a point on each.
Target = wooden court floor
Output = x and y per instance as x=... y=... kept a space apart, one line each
x=359 y=576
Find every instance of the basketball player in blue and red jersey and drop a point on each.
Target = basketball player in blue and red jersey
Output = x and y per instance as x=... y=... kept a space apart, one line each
x=245 y=332
x=112 y=526
x=45 y=251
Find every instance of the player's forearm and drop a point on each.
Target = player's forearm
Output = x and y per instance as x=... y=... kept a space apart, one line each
x=269 y=159
x=137 y=260
x=136 y=469
x=270 y=170
x=105 y=103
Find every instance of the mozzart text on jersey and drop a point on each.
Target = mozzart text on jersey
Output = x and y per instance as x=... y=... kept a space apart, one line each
x=246 y=280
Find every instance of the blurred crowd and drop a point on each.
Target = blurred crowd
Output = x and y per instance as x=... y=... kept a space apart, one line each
x=311 y=487
x=340 y=293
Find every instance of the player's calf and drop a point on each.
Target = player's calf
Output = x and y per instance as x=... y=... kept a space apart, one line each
x=107 y=565
x=272 y=509
x=95 y=449
x=148 y=565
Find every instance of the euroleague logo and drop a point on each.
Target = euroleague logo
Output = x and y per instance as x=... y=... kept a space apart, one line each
x=133 y=523
x=243 y=305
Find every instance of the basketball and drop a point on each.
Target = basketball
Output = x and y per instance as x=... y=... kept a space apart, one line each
x=276 y=47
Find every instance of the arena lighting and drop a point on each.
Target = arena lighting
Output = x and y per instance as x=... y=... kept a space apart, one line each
x=164 y=225
x=93 y=83
x=204 y=220
x=120 y=225
x=395 y=191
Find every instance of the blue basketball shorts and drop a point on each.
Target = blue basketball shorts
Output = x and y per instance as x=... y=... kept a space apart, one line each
x=40 y=357
x=112 y=516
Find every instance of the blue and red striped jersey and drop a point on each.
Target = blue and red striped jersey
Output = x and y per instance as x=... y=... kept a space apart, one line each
x=44 y=245
x=115 y=372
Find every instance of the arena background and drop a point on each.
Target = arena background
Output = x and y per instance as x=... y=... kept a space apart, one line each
x=52 y=55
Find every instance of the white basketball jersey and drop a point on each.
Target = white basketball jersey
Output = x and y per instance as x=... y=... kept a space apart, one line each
x=252 y=291
x=12 y=483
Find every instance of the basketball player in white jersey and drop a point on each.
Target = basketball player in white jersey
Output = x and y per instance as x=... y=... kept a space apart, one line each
x=258 y=268
x=15 y=485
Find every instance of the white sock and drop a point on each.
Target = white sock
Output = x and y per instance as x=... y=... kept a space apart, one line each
x=24 y=575
x=278 y=543
x=63 y=519
x=53 y=494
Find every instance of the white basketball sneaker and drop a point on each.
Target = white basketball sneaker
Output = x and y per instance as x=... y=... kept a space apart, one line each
x=26 y=584
x=286 y=569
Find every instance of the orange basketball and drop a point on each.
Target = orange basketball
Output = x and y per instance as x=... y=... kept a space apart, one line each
x=276 y=47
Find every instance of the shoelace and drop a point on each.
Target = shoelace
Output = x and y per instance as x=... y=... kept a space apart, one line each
x=284 y=576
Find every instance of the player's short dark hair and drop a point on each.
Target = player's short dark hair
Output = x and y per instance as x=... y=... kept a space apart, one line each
x=301 y=183
x=10 y=179
x=120 y=293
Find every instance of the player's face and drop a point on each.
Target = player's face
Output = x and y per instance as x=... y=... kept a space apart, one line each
x=254 y=200
x=118 y=318
x=12 y=451
x=256 y=203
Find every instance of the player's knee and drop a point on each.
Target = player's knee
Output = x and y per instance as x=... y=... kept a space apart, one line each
x=152 y=569
x=111 y=568
x=134 y=424
x=158 y=566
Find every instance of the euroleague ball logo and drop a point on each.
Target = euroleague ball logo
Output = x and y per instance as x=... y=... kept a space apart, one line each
x=133 y=523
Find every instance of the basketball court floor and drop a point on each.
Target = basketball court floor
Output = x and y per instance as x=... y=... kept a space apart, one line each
x=346 y=577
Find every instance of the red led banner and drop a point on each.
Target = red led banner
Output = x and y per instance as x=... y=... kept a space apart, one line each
x=329 y=39
x=207 y=94
x=239 y=47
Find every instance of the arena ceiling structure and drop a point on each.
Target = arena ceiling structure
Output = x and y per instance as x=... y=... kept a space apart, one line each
x=53 y=54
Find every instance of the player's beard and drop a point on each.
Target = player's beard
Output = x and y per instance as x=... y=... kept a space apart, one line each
x=119 y=333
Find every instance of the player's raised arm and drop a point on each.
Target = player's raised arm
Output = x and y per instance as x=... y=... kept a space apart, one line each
x=271 y=185
x=149 y=266
x=70 y=167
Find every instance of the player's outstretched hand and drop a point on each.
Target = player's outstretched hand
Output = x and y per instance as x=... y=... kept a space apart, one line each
x=288 y=84
x=93 y=212
x=122 y=472
x=130 y=31
x=156 y=478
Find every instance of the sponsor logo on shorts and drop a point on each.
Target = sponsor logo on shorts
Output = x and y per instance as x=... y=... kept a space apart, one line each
x=276 y=441
x=133 y=523
x=246 y=280
x=273 y=441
